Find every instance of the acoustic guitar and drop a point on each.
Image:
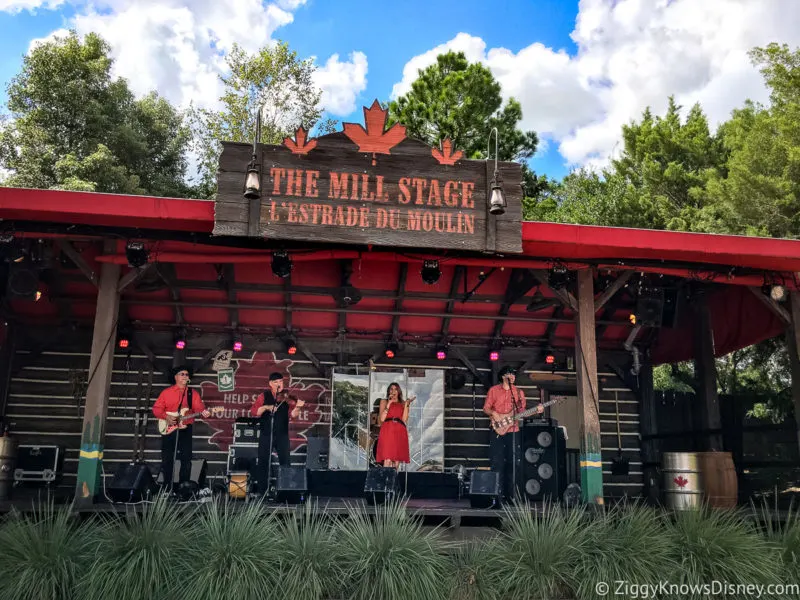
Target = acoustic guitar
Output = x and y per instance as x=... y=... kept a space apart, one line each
x=164 y=428
x=506 y=421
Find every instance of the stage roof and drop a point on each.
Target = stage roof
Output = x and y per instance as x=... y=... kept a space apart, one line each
x=218 y=283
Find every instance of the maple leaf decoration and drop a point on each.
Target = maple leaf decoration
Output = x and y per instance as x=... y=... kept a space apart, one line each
x=446 y=156
x=374 y=138
x=299 y=145
x=680 y=481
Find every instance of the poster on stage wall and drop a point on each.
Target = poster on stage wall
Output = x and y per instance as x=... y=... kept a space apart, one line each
x=350 y=441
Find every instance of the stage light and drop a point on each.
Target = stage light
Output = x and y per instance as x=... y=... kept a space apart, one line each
x=550 y=359
x=180 y=344
x=237 y=345
x=632 y=318
x=558 y=278
x=441 y=353
x=391 y=350
x=124 y=335
x=124 y=342
x=136 y=254
x=180 y=339
x=281 y=264
x=37 y=296
x=430 y=271
x=291 y=345
x=292 y=349
x=494 y=355
x=778 y=293
x=10 y=250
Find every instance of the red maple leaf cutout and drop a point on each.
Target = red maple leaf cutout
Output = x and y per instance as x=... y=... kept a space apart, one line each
x=446 y=156
x=250 y=380
x=374 y=138
x=300 y=146
x=680 y=481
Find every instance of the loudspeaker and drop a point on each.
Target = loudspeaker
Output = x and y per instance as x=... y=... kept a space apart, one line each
x=23 y=280
x=544 y=462
x=317 y=453
x=291 y=484
x=131 y=483
x=380 y=484
x=650 y=308
x=484 y=489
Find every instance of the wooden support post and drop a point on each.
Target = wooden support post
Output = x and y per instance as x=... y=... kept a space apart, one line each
x=101 y=364
x=7 y=351
x=793 y=336
x=591 y=461
x=705 y=368
x=648 y=426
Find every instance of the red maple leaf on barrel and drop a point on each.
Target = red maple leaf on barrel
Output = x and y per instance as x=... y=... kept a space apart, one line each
x=680 y=481
x=375 y=138
x=299 y=145
x=250 y=379
x=446 y=156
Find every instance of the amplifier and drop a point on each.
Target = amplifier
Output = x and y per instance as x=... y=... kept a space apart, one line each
x=246 y=431
x=242 y=457
x=38 y=463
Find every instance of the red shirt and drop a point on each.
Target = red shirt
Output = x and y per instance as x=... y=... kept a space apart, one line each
x=500 y=401
x=170 y=398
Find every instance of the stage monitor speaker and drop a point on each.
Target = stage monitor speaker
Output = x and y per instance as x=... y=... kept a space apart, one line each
x=131 y=483
x=291 y=484
x=544 y=462
x=484 y=489
x=317 y=450
x=380 y=484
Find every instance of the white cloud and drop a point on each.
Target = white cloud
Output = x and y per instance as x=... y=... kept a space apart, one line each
x=342 y=82
x=631 y=54
x=58 y=33
x=16 y=6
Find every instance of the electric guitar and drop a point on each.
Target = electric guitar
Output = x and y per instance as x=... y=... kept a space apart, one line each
x=164 y=428
x=506 y=421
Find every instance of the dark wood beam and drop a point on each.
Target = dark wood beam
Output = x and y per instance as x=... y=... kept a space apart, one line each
x=133 y=276
x=535 y=357
x=201 y=363
x=398 y=303
x=75 y=256
x=706 y=372
x=26 y=360
x=7 y=355
x=472 y=369
x=168 y=274
x=772 y=305
x=157 y=364
x=550 y=332
x=620 y=281
x=458 y=277
x=506 y=305
x=563 y=295
x=287 y=300
x=793 y=343
x=229 y=279
x=306 y=351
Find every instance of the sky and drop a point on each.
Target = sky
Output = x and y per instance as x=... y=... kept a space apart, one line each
x=581 y=69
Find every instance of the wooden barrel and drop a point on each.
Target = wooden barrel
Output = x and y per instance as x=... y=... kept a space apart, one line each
x=8 y=461
x=720 y=485
x=682 y=480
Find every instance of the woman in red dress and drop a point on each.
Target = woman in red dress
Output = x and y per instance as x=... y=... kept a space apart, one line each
x=393 y=436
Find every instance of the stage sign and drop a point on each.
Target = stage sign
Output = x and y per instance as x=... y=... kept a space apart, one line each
x=368 y=185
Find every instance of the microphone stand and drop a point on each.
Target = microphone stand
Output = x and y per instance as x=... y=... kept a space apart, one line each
x=515 y=436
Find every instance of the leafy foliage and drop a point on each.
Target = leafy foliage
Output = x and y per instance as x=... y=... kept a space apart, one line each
x=73 y=126
x=273 y=80
x=42 y=555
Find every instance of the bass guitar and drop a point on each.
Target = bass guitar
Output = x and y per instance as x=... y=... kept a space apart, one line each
x=506 y=421
x=164 y=427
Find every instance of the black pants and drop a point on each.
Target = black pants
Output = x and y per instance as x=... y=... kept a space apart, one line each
x=501 y=460
x=184 y=454
x=281 y=445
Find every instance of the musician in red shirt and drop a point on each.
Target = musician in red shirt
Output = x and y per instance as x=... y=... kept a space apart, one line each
x=179 y=442
x=505 y=451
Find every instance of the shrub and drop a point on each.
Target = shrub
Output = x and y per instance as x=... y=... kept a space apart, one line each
x=138 y=555
x=42 y=554
x=390 y=555
x=475 y=571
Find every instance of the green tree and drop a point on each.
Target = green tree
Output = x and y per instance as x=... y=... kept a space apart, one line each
x=460 y=100
x=273 y=80
x=73 y=126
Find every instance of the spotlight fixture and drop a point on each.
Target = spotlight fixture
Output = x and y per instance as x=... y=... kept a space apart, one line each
x=281 y=264
x=237 y=344
x=252 y=182
x=291 y=349
x=494 y=355
x=180 y=340
x=392 y=348
x=550 y=358
x=136 y=254
x=441 y=353
x=430 y=271
x=778 y=293
x=124 y=334
x=10 y=250
x=558 y=277
x=497 y=198
x=37 y=296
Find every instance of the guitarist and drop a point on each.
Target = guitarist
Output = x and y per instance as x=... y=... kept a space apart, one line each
x=272 y=409
x=172 y=400
x=502 y=400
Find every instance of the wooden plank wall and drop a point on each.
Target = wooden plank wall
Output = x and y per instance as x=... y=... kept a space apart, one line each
x=42 y=410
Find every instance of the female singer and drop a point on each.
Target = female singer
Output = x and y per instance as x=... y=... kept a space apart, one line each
x=393 y=436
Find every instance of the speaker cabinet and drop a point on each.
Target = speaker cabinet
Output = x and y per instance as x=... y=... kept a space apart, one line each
x=484 y=489
x=544 y=462
x=131 y=483
x=380 y=484
x=317 y=453
x=291 y=484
